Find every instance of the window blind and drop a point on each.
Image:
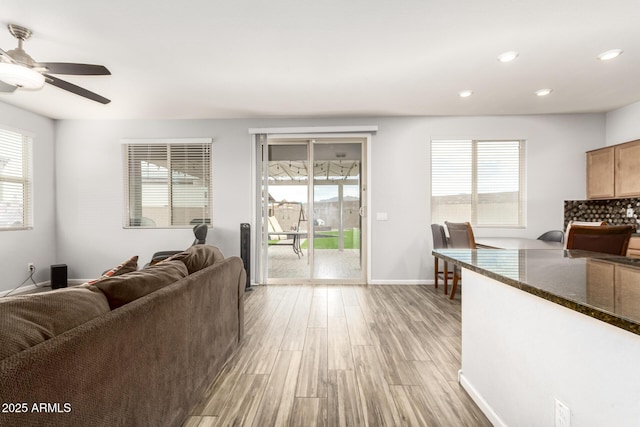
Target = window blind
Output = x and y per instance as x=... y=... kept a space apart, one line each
x=478 y=181
x=167 y=184
x=16 y=199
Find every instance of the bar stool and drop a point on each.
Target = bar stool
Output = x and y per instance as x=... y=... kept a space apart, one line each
x=440 y=242
x=460 y=236
x=613 y=239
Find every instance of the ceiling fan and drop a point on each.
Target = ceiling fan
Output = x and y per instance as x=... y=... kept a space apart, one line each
x=19 y=70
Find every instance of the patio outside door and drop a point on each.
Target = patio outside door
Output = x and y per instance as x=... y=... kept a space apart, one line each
x=337 y=210
x=312 y=210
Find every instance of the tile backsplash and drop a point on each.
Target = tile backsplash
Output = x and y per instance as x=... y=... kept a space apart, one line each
x=613 y=211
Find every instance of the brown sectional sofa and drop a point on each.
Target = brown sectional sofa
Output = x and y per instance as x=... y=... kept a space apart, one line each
x=141 y=359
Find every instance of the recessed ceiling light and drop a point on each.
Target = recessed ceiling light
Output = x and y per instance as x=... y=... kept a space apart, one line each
x=507 y=56
x=610 y=54
x=543 y=92
x=465 y=93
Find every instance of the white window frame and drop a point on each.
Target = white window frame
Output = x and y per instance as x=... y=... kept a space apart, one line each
x=127 y=215
x=26 y=179
x=474 y=190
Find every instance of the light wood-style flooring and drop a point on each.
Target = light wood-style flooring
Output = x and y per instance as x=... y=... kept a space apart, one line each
x=343 y=356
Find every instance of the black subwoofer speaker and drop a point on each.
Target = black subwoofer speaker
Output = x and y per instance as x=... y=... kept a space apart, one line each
x=58 y=276
x=245 y=251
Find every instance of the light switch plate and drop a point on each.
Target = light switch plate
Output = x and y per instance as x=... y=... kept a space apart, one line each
x=382 y=216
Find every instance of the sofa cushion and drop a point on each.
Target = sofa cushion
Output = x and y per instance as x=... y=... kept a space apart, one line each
x=123 y=289
x=27 y=320
x=124 y=267
x=198 y=257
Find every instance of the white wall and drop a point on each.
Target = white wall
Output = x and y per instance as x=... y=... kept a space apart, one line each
x=90 y=202
x=90 y=191
x=19 y=247
x=623 y=124
x=401 y=179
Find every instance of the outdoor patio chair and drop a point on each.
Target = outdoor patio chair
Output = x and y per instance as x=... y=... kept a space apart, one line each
x=280 y=236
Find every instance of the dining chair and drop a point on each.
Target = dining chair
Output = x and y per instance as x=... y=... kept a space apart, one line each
x=440 y=242
x=460 y=237
x=608 y=239
x=552 y=236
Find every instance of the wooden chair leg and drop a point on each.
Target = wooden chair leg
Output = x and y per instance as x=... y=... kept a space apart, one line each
x=435 y=273
x=446 y=276
x=454 y=287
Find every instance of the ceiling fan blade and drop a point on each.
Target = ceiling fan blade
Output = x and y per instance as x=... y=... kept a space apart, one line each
x=75 y=69
x=6 y=88
x=75 y=89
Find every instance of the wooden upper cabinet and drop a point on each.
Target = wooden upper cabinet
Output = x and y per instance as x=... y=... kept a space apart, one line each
x=614 y=171
x=627 y=169
x=600 y=173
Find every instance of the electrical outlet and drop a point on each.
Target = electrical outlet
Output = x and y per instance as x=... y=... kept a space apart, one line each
x=31 y=266
x=630 y=212
x=563 y=415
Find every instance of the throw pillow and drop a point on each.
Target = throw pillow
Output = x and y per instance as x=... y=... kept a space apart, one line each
x=27 y=320
x=123 y=289
x=124 y=267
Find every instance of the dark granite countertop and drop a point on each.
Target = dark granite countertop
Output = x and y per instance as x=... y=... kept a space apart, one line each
x=602 y=286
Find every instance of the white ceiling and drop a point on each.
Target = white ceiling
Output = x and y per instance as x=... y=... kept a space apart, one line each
x=293 y=58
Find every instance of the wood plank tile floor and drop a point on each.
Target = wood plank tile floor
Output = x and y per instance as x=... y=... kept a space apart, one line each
x=343 y=356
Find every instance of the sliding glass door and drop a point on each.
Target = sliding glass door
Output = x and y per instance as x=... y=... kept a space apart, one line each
x=312 y=210
x=287 y=204
x=337 y=210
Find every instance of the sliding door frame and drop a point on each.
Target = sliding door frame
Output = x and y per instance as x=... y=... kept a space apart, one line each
x=260 y=140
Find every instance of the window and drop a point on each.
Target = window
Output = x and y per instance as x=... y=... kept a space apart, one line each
x=478 y=181
x=167 y=182
x=16 y=198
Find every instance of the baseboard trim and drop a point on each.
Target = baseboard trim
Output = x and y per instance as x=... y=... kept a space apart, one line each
x=27 y=289
x=401 y=282
x=486 y=409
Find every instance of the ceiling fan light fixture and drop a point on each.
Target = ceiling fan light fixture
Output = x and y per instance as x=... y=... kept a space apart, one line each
x=507 y=56
x=610 y=54
x=21 y=76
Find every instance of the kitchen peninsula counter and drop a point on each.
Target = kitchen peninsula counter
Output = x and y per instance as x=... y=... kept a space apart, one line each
x=540 y=326
x=605 y=287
